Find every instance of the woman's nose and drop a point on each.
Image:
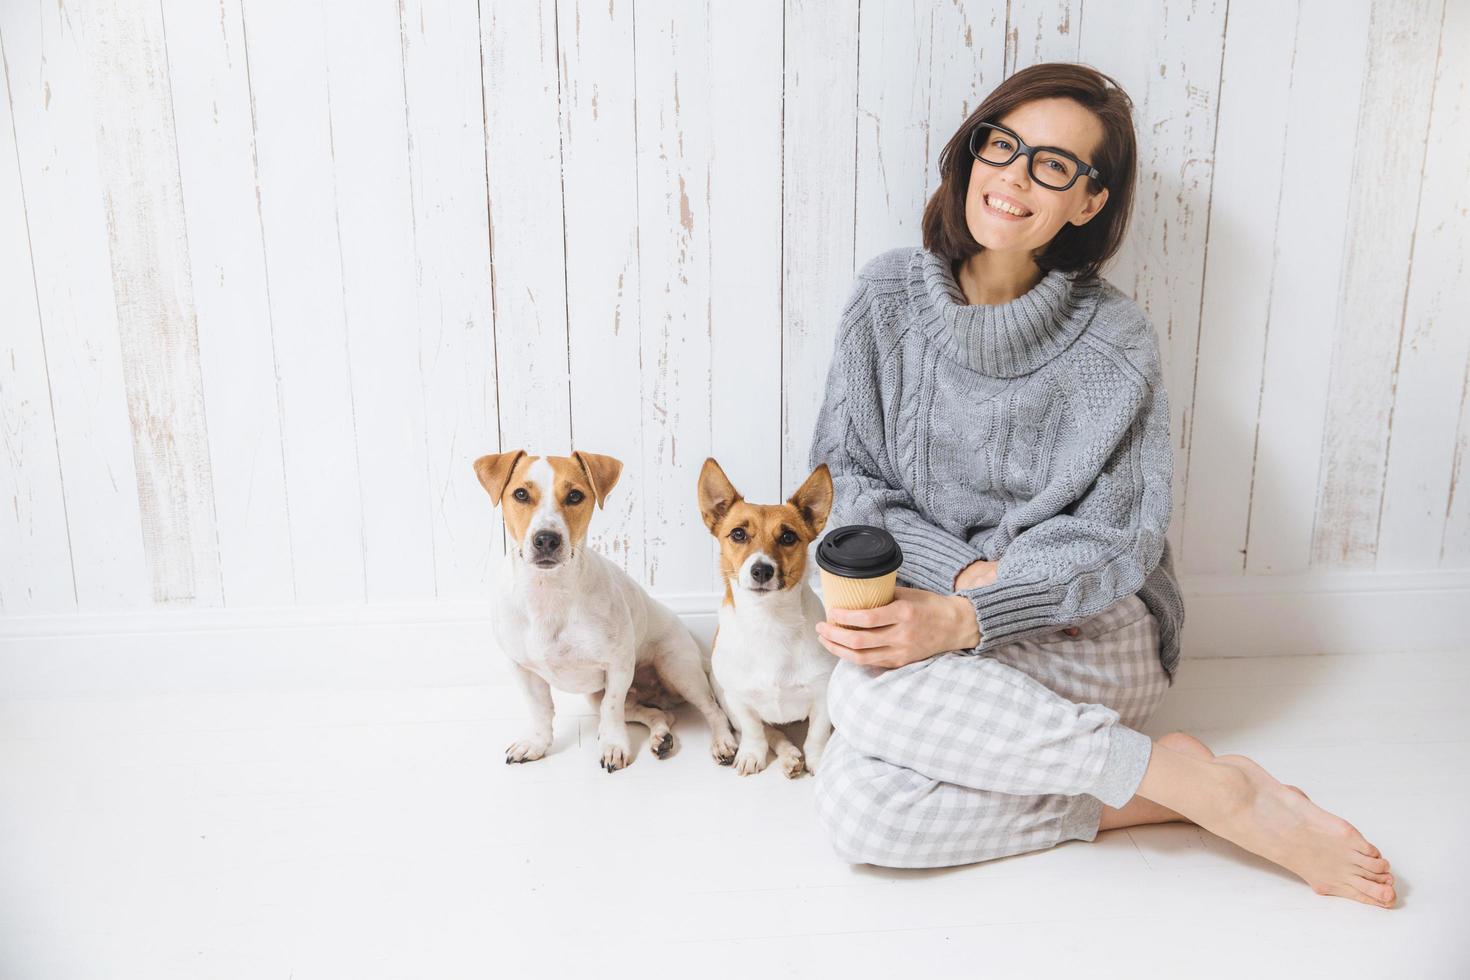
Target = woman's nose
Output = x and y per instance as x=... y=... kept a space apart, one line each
x=1023 y=175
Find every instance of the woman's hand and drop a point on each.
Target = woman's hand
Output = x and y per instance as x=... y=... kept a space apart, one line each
x=976 y=574
x=916 y=625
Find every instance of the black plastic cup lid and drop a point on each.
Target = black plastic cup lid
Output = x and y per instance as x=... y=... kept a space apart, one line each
x=859 y=551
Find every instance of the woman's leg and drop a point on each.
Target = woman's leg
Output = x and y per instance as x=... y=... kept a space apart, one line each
x=879 y=813
x=885 y=810
x=1031 y=718
x=1139 y=811
x=966 y=758
x=875 y=812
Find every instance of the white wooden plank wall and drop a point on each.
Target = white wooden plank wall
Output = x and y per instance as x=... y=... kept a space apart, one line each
x=98 y=548
x=445 y=109
x=223 y=214
x=274 y=274
x=600 y=181
x=1315 y=167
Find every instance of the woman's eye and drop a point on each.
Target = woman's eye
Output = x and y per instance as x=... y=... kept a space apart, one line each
x=521 y=494
x=575 y=497
x=1003 y=144
x=1057 y=164
x=788 y=538
x=738 y=534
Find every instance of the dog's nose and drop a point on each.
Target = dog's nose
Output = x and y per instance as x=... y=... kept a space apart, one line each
x=546 y=541
x=761 y=572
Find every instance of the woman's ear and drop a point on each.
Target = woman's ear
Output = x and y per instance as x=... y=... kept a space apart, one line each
x=1095 y=204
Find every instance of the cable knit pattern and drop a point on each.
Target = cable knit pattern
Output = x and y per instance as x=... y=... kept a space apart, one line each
x=1034 y=433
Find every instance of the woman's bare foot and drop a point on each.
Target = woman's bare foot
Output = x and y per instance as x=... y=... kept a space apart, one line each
x=1324 y=850
x=1235 y=798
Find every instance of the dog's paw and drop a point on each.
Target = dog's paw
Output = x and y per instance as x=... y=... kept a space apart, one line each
x=661 y=745
x=615 y=754
x=748 y=763
x=792 y=765
x=527 y=748
x=723 y=748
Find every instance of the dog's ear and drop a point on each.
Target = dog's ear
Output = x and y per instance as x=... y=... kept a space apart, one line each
x=494 y=472
x=813 y=499
x=716 y=494
x=602 y=472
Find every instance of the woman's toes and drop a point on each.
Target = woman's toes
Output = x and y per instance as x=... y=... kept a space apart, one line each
x=1348 y=891
x=1355 y=839
x=1382 y=894
x=1367 y=863
x=1362 y=846
x=1382 y=879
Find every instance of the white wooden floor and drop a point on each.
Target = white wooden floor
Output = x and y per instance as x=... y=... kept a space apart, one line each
x=339 y=832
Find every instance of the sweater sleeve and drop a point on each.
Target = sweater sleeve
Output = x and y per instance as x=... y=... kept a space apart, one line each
x=1098 y=550
x=849 y=437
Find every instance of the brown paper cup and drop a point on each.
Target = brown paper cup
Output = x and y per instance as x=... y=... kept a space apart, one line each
x=840 y=592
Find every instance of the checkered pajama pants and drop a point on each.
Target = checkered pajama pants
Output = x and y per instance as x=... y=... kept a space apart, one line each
x=963 y=758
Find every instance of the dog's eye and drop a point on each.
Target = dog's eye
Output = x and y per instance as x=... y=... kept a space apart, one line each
x=575 y=497
x=521 y=494
x=738 y=534
x=787 y=538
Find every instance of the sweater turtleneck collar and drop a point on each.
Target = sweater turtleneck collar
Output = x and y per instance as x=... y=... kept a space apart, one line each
x=1006 y=340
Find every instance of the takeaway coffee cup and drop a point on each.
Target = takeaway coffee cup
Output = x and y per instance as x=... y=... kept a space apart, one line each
x=859 y=567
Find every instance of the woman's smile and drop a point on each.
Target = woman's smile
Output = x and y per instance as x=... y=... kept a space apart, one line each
x=995 y=203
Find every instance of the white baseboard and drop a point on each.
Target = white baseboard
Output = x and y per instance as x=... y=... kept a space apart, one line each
x=428 y=644
x=445 y=643
x=1340 y=612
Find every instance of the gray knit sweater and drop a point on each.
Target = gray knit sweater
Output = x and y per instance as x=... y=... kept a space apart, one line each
x=1034 y=433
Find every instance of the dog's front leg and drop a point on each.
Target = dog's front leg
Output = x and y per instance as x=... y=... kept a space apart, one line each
x=818 y=730
x=753 y=745
x=612 y=728
x=537 y=739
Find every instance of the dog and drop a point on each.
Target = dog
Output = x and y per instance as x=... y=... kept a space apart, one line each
x=571 y=619
x=768 y=666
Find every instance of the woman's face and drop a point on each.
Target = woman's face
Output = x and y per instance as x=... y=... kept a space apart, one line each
x=1046 y=122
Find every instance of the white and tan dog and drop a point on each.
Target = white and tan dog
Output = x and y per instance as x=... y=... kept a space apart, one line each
x=769 y=668
x=571 y=619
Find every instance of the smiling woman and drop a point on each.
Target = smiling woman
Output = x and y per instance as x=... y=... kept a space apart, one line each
x=994 y=706
x=1087 y=120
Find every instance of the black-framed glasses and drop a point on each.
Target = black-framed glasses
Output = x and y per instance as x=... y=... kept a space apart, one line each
x=1050 y=167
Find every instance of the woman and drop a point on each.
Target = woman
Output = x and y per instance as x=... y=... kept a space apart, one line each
x=999 y=408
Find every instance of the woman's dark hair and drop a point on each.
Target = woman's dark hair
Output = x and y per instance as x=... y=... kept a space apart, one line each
x=1082 y=250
